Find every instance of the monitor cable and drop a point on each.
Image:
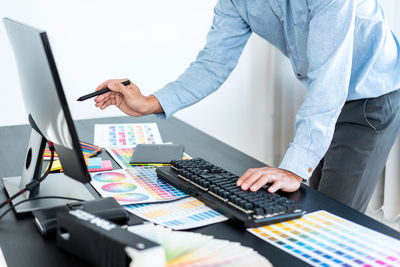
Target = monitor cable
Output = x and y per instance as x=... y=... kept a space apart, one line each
x=38 y=198
x=34 y=183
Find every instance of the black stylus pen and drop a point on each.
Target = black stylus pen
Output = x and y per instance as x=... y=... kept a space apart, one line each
x=102 y=91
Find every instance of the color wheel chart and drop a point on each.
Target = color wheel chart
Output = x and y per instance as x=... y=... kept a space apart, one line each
x=323 y=239
x=182 y=214
x=124 y=134
x=135 y=185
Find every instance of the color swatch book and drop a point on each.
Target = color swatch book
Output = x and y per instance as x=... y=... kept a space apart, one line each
x=323 y=239
x=182 y=214
x=123 y=135
x=124 y=154
x=194 y=249
x=134 y=185
x=88 y=151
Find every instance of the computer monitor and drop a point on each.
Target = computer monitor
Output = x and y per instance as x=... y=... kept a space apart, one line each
x=50 y=119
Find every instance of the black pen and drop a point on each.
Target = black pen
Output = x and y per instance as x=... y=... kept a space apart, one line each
x=102 y=91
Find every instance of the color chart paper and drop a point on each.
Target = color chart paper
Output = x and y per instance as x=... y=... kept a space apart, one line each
x=126 y=134
x=323 y=239
x=182 y=214
x=121 y=155
x=193 y=249
x=124 y=154
x=134 y=185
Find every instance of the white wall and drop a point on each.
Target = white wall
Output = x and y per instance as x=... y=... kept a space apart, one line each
x=150 y=42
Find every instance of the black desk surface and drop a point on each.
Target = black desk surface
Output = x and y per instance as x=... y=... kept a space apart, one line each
x=22 y=244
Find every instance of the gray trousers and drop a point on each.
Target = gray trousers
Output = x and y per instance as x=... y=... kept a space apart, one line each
x=364 y=134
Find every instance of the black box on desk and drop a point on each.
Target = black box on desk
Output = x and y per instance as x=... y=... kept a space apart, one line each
x=106 y=208
x=103 y=243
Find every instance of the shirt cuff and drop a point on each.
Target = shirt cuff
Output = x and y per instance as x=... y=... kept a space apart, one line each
x=166 y=98
x=299 y=161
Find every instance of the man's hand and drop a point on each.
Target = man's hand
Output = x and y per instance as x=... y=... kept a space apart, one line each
x=128 y=99
x=278 y=178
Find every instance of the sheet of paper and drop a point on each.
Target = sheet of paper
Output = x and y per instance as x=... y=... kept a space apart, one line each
x=106 y=165
x=2 y=259
x=323 y=239
x=126 y=134
x=134 y=185
x=94 y=163
x=182 y=214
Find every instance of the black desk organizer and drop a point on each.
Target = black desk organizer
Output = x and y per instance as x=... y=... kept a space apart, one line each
x=106 y=208
x=101 y=242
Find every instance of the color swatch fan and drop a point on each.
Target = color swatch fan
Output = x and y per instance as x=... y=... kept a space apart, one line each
x=193 y=249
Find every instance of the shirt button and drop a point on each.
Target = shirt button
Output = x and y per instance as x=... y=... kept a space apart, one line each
x=309 y=170
x=283 y=22
x=288 y=52
x=298 y=75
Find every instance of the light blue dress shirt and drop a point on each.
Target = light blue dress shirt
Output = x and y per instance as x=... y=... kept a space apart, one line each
x=340 y=49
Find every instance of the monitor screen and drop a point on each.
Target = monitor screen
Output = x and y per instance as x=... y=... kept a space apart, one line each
x=44 y=97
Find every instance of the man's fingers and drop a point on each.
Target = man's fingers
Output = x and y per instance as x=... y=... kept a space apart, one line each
x=247 y=182
x=244 y=177
x=107 y=84
x=275 y=186
x=107 y=103
x=102 y=85
x=253 y=178
x=99 y=103
x=265 y=179
x=117 y=86
x=103 y=97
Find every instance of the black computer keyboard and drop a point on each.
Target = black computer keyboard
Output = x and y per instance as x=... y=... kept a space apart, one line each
x=217 y=188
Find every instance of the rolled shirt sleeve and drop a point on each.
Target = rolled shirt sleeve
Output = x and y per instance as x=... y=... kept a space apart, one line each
x=330 y=52
x=225 y=42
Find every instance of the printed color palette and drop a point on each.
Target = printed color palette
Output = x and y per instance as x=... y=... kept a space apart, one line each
x=109 y=177
x=183 y=214
x=129 y=197
x=138 y=180
x=323 y=239
x=158 y=188
x=119 y=187
x=121 y=155
x=120 y=135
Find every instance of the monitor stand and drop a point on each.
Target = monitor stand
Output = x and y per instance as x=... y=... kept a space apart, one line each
x=57 y=184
